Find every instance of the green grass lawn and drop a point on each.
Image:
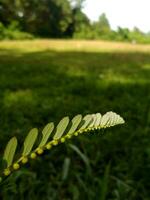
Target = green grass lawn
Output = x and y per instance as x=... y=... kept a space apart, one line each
x=46 y=80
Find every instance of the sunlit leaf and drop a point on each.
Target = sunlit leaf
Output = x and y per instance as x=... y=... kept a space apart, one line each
x=86 y=121
x=10 y=151
x=93 y=121
x=61 y=127
x=98 y=119
x=46 y=133
x=111 y=119
x=29 y=141
x=105 y=119
x=75 y=123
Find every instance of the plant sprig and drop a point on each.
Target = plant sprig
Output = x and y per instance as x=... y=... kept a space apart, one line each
x=65 y=130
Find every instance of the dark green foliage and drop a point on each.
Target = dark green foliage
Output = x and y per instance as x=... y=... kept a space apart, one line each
x=49 y=18
x=13 y=32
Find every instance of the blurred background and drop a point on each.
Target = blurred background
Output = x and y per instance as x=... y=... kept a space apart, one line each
x=66 y=57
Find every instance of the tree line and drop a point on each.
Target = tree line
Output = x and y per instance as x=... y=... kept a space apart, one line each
x=58 y=19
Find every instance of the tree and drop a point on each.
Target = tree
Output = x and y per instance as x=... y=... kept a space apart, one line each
x=103 y=24
x=123 y=33
x=101 y=28
x=49 y=18
x=6 y=11
x=79 y=19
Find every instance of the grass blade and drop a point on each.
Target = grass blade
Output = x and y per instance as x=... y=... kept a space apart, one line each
x=82 y=155
x=104 y=186
x=65 y=170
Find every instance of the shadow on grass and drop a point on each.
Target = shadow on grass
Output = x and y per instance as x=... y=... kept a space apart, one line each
x=42 y=86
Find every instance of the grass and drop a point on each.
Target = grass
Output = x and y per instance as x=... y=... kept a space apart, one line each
x=45 y=80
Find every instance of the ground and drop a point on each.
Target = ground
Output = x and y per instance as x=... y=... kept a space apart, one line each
x=45 y=80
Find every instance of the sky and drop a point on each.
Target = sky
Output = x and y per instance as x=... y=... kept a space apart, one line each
x=124 y=13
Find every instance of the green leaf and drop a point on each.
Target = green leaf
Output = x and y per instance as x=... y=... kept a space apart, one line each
x=29 y=141
x=111 y=119
x=61 y=127
x=10 y=151
x=75 y=123
x=46 y=133
x=105 y=119
x=116 y=119
x=86 y=121
x=93 y=120
x=98 y=119
x=119 y=120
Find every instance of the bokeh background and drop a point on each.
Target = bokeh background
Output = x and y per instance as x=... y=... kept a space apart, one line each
x=56 y=61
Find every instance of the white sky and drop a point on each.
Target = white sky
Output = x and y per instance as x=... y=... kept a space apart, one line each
x=124 y=13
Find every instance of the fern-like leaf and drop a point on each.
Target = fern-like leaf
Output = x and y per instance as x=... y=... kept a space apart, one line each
x=63 y=131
